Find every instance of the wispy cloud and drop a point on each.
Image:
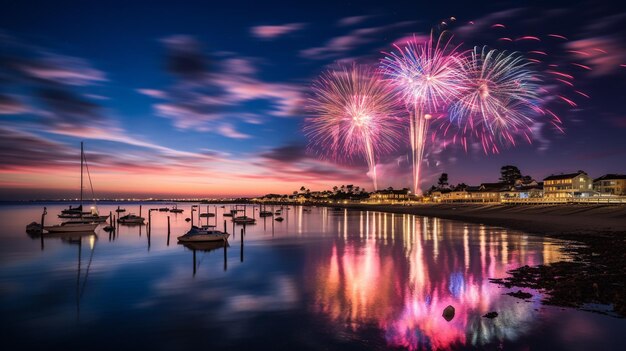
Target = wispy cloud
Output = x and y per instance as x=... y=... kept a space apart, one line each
x=342 y=45
x=352 y=20
x=11 y=105
x=228 y=130
x=153 y=93
x=274 y=31
x=219 y=93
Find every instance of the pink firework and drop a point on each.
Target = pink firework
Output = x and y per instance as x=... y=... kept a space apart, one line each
x=500 y=99
x=428 y=75
x=354 y=116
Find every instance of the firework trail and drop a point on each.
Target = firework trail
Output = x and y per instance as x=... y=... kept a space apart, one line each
x=499 y=100
x=427 y=75
x=354 y=116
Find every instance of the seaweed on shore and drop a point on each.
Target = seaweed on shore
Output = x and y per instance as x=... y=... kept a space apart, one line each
x=596 y=275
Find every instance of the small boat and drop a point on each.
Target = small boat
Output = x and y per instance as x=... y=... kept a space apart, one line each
x=74 y=210
x=279 y=219
x=90 y=219
x=175 y=209
x=266 y=213
x=230 y=214
x=68 y=227
x=244 y=220
x=164 y=209
x=109 y=228
x=208 y=214
x=119 y=210
x=131 y=219
x=187 y=219
x=203 y=234
x=72 y=215
x=34 y=228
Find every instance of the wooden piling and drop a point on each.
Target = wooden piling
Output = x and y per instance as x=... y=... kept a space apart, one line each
x=43 y=218
x=241 y=250
x=168 y=230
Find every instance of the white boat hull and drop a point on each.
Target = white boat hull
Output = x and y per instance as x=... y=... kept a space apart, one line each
x=72 y=227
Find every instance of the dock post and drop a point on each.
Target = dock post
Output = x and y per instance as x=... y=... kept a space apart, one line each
x=139 y=210
x=241 y=250
x=225 y=227
x=168 y=230
x=43 y=217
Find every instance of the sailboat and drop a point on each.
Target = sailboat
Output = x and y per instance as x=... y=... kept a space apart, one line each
x=82 y=222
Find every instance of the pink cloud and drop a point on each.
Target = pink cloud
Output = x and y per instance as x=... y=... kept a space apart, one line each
x=352 y=20
x=603 y=54
x=229 y=131
x=10 y=105
x=157 y=94
x=343 y=44
x=275 y=31
x=63 y=69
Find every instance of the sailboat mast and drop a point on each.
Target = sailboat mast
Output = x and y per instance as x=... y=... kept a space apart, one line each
x=81 y=176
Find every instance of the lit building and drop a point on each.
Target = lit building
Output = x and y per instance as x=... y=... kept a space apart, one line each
x=391 y=195
x=611 y=184
x=569 y=185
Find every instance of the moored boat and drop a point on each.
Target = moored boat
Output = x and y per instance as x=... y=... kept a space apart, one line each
x=203 y=234
x=131 y=219
x=175 y=209
x=279 y=219
x=266 y=213
x=71 y=226
x=34 y=228
x=244 y=220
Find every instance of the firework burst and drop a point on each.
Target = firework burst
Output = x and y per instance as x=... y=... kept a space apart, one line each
x=428 y=75
x=499 y=99
x=354 y=115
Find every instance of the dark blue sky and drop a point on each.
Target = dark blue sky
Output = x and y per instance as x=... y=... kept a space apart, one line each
x=207 y=98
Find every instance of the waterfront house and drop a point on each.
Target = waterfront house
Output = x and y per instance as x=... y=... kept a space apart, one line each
x=610 y=184
x=569 y=185
x=391 y=195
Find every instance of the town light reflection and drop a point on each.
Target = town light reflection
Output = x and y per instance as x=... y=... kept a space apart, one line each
x=402 y=283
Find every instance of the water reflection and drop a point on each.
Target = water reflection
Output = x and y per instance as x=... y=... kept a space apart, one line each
x=324 y=278
x=206 y=247
x=400 y=273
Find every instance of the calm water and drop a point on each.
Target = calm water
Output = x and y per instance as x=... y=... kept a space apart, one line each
x=325 y=279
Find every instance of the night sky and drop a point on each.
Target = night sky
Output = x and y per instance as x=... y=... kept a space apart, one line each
x=205 y=98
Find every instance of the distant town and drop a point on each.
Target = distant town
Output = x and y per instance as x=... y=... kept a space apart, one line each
x=511 y=187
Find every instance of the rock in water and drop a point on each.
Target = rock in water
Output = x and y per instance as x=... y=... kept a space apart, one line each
x=448 y=313
x=491 y=315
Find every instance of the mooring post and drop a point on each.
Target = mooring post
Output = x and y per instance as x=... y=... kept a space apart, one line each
x=168 y=230
x=43 y=218
x=241 y=250
x=139 y=210
x=225 y=227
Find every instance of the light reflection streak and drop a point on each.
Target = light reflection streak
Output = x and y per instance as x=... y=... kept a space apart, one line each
x=365 y=281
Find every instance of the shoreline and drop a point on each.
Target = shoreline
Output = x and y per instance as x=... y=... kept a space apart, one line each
x=574 y=222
